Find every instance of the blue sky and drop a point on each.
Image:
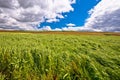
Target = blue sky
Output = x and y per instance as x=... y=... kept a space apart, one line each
x=77 y=17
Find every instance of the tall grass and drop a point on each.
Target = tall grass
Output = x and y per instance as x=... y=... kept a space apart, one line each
x=59 y=57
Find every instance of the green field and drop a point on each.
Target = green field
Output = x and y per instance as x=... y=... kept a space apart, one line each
x=28 y=56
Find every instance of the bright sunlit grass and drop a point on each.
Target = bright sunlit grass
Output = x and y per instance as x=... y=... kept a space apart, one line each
x=59 y=57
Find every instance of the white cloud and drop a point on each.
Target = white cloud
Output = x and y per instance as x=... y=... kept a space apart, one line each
x=105 y=16
x=70 y=28
x=45 y=28
x=25 y=14
x=70 y=25
x=52 y=20
x=57 y=29
x=79 y=28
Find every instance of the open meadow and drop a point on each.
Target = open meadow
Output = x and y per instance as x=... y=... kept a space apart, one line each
x=59 y=56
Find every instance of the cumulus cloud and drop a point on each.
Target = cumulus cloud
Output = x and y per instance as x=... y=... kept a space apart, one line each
x=70 y=25
x=45 y=28
x=52 y=20
x=26 y=14
x=79 y=28
x=105 y=16
x=57 y=29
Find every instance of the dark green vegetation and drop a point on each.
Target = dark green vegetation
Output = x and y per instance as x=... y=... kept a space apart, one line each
x=27 y=56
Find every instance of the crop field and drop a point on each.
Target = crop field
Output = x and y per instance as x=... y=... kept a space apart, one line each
x=59 y=56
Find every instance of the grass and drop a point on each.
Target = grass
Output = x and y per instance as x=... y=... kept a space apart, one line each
x=28 y=56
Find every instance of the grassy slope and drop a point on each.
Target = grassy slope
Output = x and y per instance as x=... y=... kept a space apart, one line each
x=26 y=56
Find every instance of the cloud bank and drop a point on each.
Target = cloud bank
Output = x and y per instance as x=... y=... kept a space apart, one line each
x=26 y=14
x=105 y=16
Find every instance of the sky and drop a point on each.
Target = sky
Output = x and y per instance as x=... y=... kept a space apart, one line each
x=76 y=17
x=60 y=15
